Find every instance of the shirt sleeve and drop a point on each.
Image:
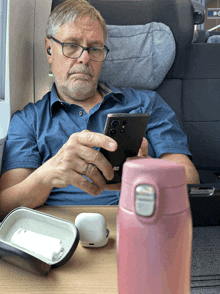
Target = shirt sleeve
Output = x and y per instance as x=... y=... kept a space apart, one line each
x=164 y=134
x=21 y=149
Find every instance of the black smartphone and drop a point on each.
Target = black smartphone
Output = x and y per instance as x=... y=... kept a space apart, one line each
x=128 y=130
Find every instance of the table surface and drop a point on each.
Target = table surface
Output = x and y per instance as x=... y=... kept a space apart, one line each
x=89 y=271
x=94 y=270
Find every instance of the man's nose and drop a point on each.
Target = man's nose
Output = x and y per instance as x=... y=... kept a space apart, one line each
x=84 y=57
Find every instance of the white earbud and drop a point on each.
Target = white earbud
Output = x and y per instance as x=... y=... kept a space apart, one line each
x=92 y=229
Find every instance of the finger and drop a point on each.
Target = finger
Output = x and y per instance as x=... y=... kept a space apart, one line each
x=135 y=157
x=143 y=151
x=87 y=186
x=92 y=139
x=90 y=171
x=95 y=176
x=79 y=181
x=94 y=157
x=113 y=187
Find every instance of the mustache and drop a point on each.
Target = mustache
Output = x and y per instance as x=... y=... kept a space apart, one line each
x=81 y=69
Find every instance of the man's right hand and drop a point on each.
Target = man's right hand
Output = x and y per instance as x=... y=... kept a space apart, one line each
x=76 y=160
x=76 y=163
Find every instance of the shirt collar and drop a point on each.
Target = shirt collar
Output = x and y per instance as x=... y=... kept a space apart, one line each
x=106 y=90
x=55 y=102
x=110 y=91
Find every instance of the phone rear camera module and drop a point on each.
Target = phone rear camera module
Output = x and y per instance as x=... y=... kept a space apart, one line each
x=115 y=123
x=112 y=132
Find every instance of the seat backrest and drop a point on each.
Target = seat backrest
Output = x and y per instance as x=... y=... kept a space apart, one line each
x=201 y=107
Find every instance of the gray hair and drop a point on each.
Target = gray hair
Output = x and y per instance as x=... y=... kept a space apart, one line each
x=68 y=11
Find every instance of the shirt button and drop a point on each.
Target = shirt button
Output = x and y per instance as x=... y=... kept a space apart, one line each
x=80 y=113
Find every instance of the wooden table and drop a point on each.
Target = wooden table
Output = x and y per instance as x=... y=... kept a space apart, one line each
x=89 y=271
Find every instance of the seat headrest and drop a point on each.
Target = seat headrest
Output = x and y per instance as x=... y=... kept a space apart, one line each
x=214 y=39
x=146 y=52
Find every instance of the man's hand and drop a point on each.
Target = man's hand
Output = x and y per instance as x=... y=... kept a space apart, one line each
x=76 y=163
x=77 y=160
x=142 y=153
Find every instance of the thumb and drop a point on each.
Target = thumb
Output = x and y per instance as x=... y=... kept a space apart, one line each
x=143 y=151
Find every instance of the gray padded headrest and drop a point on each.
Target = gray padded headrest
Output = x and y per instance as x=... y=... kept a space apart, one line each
x=214 y=39
x=140 y=56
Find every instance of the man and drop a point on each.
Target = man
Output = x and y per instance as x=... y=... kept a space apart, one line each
x=51 y=155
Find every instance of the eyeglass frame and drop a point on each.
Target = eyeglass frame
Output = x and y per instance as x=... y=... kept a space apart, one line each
x=83 y=49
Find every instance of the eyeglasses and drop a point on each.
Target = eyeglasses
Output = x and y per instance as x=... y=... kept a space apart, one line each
x=74 y=51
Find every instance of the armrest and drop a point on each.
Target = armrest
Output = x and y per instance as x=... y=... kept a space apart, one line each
x=205 y=202
x=204 y=190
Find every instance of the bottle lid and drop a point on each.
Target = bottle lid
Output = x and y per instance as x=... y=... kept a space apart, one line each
x=167 y=173
x=152 y=187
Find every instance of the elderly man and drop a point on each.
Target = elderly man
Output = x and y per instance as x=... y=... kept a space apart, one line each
x=51 y=155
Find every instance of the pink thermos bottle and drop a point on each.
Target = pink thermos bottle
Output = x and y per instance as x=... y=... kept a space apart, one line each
x=154 y=229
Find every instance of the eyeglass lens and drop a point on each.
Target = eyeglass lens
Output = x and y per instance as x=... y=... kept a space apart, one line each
x=74 y=51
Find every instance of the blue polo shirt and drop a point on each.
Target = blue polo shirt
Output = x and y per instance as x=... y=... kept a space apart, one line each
x=38 y=131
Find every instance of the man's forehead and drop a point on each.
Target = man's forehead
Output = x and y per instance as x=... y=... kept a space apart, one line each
x=84 y=24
